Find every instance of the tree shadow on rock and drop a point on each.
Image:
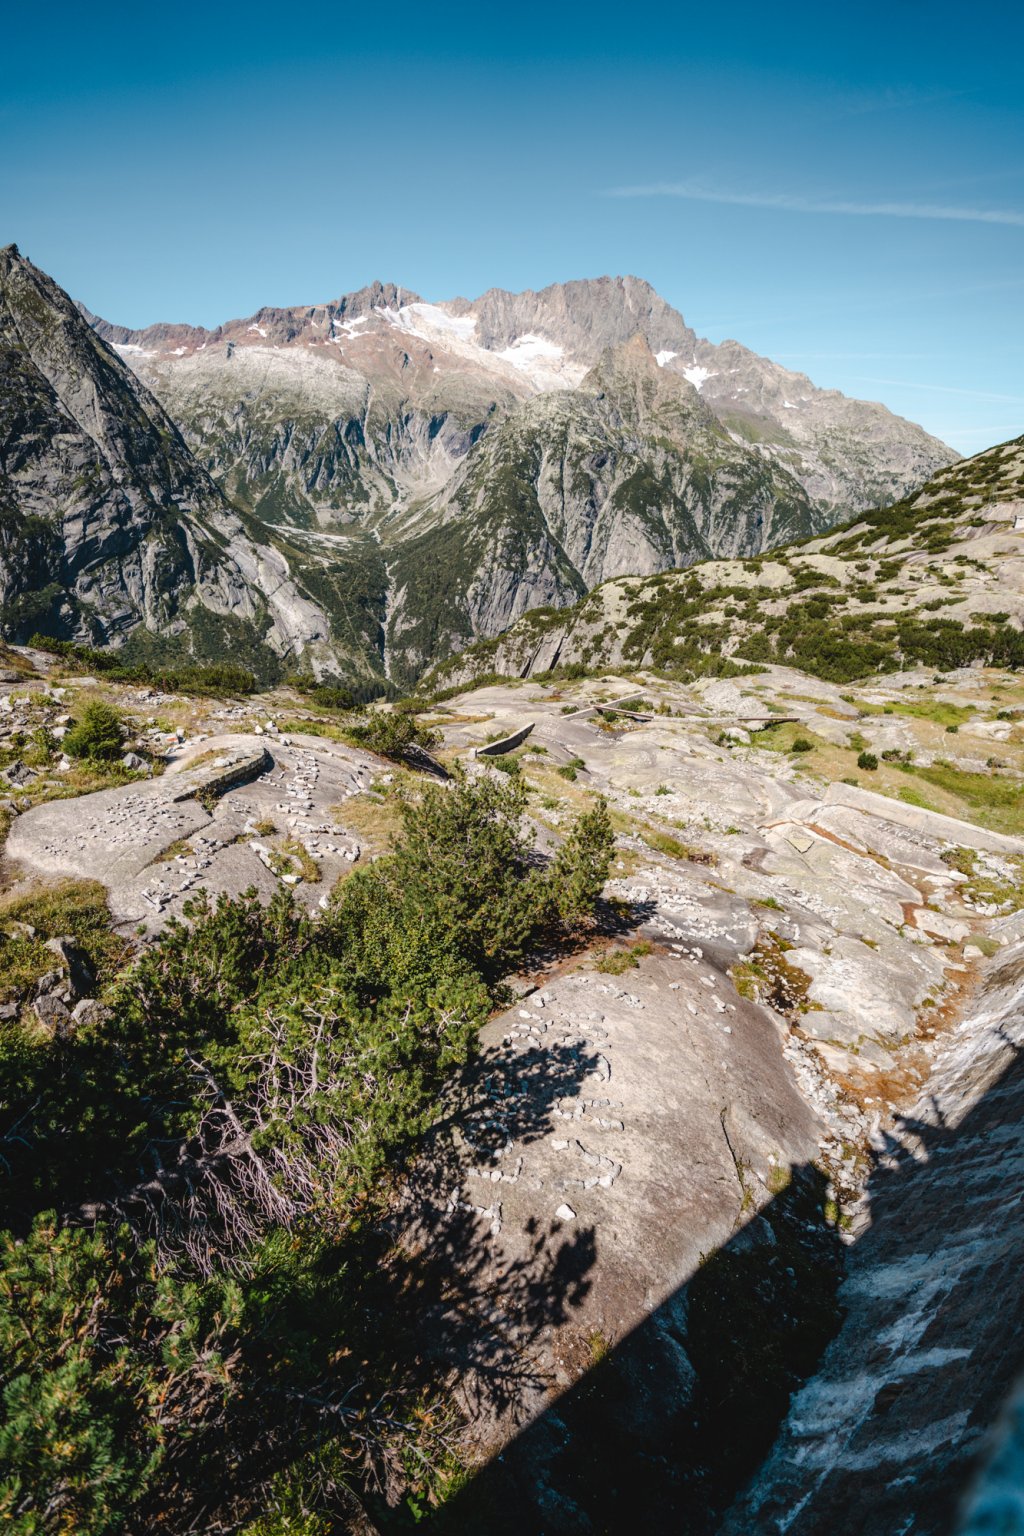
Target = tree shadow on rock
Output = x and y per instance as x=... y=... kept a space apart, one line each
x=660 y=1430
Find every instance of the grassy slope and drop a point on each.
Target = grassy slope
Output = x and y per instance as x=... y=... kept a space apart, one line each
x=933 y=580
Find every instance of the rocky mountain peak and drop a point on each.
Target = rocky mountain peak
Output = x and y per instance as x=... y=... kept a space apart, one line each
x=55 y=358
x=585 y=316
x=432 y=470
x=107 y=521
x=273 y=324
x=641 y=387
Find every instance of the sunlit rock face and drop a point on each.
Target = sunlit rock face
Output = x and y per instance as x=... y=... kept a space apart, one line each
x=434 y=471
x=108 y=525
x=889 y=1434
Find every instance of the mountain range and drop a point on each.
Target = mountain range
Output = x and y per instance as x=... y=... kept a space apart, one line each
x=935 y=579
x=368 y=486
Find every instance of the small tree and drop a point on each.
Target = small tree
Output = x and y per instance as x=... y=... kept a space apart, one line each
x=459 y=890
x=395 y=735
x=581 y=865
x=96 y=733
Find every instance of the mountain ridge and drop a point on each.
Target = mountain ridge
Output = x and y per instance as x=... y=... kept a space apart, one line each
x=375 y=483
x=546 y=338
x=934 y=580
x=107 y=522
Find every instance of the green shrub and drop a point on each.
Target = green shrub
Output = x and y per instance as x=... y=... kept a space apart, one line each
x=394 y=734
x=570 y=769
x=97 y=733
x=801 y=744
x=462 y=896
x=329 y=696
x=580 y=867
x=674 y=847
x=867 y=760
x=212 y=678
x=218 y=1147
x=506 y=763
x=614 y=962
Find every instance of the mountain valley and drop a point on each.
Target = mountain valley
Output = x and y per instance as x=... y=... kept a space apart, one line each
x=511 y=929
x=431 y=472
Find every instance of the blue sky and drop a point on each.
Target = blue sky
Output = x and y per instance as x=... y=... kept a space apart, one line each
x=841 y=188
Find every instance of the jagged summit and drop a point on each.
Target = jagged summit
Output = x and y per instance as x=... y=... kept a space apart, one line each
x=108 y=524
x=847 y=454
x=586 y=315
x=279 y=325
x=424 y=472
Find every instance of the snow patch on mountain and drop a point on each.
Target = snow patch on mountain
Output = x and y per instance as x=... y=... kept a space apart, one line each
x=542 y=361
x=529 y=349
x=698 y=376
x=430 y=323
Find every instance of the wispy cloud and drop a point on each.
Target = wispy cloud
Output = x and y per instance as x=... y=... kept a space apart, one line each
x=946 y=389
x=894 y=98
x=791 y=203
x=857 y=357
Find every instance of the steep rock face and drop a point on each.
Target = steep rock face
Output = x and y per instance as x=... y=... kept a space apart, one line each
x=935 y=579
x=327 y=414
x=418 y=375
x=420 y=474
x=848 y=454
x=107 y=523
x=630 y=472
x=886 y=1436
x=585 y=317
x=301 y=437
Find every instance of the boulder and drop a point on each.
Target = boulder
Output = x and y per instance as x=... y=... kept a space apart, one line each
x=74 y=963
x=52 y=983
x=89 y=1010
x=940 y=925
x=53 y=1015
x=19 y=774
